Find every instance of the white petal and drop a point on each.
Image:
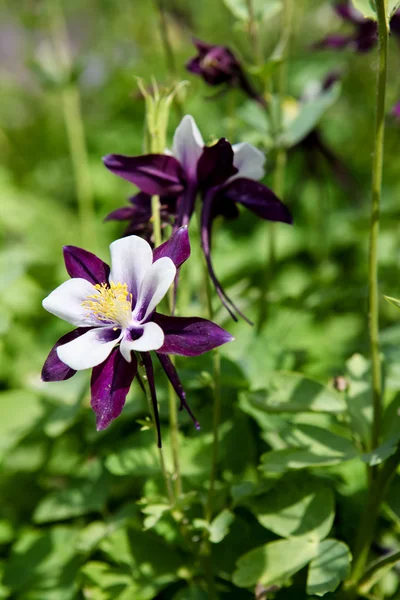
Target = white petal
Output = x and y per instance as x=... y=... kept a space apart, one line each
x=188 y=144
x=66 y=302
x=249 y=160
x=151 y=339
x=87 y=350
x=131 y=258
x=156 y=283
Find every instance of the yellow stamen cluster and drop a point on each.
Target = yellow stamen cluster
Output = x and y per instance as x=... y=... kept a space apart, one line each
x=111 y=304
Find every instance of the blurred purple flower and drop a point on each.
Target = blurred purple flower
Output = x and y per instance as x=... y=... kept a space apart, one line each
x=114 y=312
x=365 y=31
x=223 y=175
x=396 y=111
x=313 y=148
x=218 y=65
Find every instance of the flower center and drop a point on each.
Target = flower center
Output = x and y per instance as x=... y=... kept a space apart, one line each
x=111 y=304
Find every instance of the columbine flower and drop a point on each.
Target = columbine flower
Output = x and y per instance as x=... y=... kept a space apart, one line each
x=365 y=31
x=223 y=175
x=218 y=65
x=114 y=312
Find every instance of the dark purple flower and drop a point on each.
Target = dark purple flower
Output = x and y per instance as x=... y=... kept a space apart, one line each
x=365 y=31
x=222 y=175
x=218 y=65
x=114 y=312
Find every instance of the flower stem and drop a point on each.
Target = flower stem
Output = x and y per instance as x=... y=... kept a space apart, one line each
x=377 y=167
x=145 y=383
x=74 y=125
x=253 y=33
x=379 y=480
x=155 y=210
x=280 y=161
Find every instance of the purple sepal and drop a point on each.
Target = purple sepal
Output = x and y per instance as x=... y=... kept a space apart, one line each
x=125 y=213
x=215 y=165
x=154 y=174
x=334 y=41
x=207 y=215
x=190 y=336
x=258 y=198
x=148 y=365
x=81 y=263
x=110 y=385
x=177 y=248
x=173 y=377
x=54 y=369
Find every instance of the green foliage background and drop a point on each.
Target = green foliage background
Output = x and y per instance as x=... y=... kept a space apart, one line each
x=83 y=514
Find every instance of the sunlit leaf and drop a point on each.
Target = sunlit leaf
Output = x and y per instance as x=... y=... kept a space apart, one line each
x=292 y=392
x=328 y=568
x=298 y=505
x=366 y=7
x=274 y=563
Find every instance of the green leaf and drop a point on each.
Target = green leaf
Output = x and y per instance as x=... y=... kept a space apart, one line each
x=328 y=568
x=292 y=392
x=366 y=7
x=77 y=499
x=191 y=593
x=296 y=506
x=310 y=446
x=219 y=526
x=275 y=562
x=105 y=582
x=379 y=455
x=309 y=115
x=393 y=5
x=6 y=532
x=262 y=9
x=393 y=301
x=43 y=560
x=19 y=413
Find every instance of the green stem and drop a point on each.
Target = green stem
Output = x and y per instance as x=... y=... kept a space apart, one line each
x=216 y=422
x=366 y=531
x=253 y=34
x=143 y=376
x=173 y=413
x=377 y=569
x=379 y=480
x=74 y=125
x=280 y=164
x=377 y=167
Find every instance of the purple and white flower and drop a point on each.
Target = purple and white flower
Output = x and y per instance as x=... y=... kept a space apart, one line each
x=114 y=312
x=222 y=175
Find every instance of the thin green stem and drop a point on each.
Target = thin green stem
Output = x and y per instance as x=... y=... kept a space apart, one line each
x=74 y=125
x=280 y=163
x=253 y=34
x=379 y=479
x=155 y=210
x=377 y=569
x=144 y=379
x=169 y=52
x=377 y=167
x=377 y=492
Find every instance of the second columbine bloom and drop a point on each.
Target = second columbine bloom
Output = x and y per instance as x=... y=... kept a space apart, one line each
x=222 y=176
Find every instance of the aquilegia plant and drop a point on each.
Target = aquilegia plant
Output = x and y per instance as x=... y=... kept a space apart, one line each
x=222 y=175
x=114 y=311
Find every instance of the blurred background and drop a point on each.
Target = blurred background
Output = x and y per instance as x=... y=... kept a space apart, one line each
x=68 y=75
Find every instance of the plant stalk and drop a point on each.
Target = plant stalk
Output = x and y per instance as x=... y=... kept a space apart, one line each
x=280 y=164
x=74 y=125
x=377 y=167
x=380 y=478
